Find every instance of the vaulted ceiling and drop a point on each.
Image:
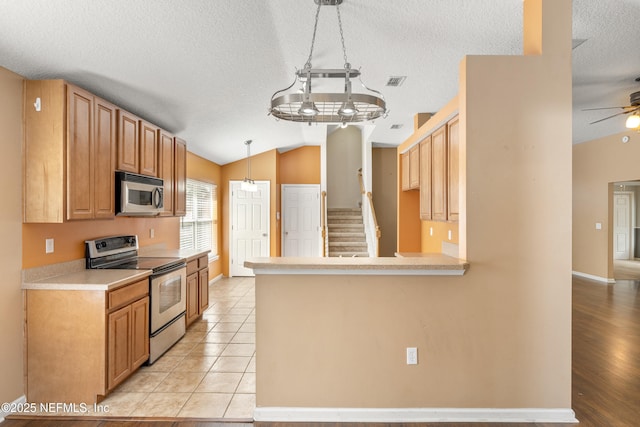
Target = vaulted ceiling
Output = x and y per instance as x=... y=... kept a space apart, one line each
x=206 y=69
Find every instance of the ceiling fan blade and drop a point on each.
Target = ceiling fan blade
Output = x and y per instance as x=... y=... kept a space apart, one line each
x=607 y=108
x=617 y=114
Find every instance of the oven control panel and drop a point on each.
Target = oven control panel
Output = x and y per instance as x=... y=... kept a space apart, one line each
x=111 y=245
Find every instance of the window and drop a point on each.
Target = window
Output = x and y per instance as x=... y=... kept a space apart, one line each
x=199 y=227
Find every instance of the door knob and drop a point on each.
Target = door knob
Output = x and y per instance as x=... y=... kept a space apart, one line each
x=264 y=234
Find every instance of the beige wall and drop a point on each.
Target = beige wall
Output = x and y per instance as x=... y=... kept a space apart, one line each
x=385 y=197
x=344 y=158
x=597 y=164
x=497 y=337
x=11 y=359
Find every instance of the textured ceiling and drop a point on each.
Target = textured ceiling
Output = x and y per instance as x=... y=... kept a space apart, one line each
x=206 y=69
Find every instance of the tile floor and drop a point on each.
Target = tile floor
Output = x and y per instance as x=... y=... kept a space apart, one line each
x=209 y=373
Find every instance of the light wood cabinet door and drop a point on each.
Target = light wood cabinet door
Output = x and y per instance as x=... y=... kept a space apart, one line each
x=203 y=285
x=128 y=143
x=404 y=164
x=439 y=174
x=105 y=142
x=414 y=167
x=425 y=179
x=192 y=298
x=80 y=154
x=453 y=169
x=180 y=178
x=119 y=346
x=148 y=149
x=166 y=166
x=139 y=332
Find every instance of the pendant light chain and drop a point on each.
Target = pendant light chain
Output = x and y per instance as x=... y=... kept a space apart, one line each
x=313 y=39
x=347 y=66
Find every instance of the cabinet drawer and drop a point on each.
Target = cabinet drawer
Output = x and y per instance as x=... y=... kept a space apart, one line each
x=192 y=266
x=128 y=293
x=203 y=262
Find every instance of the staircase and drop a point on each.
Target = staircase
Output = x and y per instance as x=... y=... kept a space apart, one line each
x=346 y=233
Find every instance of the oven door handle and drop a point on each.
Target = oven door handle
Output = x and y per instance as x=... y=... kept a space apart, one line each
x=168 y=269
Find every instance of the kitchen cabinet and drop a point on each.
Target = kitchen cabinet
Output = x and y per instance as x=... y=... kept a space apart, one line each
x=180 y=178
x=69 y=153
x=99 y=336
x=148 y=149
x=172 y=168
x=439 y=174
x=197 y=288
x=137 y=145
x=128 y=142
x=404 y=164
x=453 y=169
x=73 y=143
x=166 y=169
x=414 y=167
x=128 y=333
x=425 y=179
x=411 y=169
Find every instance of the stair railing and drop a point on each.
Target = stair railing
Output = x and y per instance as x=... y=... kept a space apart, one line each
x=372 y=229
x=323 y=223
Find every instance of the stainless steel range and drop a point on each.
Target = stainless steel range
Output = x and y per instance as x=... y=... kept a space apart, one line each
x=167 y=286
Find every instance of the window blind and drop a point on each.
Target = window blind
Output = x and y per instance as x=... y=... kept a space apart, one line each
x=198 y=228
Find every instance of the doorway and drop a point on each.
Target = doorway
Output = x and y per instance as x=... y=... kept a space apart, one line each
x=249 y=226
x=622 y=231
x=301 y=220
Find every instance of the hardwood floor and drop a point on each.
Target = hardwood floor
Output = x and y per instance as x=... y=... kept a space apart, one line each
x=606 y=353
x=606 y=369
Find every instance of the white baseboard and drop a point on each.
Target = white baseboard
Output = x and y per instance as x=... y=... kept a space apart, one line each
x=413 y=415
x=16 y=403
x=592 y=277
x=215 y=279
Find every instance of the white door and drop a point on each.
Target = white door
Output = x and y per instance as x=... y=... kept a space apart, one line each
x=300 y=220
x=621 y=225
x=249 y=234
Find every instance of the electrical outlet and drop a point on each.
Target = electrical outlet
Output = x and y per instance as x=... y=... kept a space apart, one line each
x=49 y=246
x=412 y=355
x=152 y=233
x=449 y=234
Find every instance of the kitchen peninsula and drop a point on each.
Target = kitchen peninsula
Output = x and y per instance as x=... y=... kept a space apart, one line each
x=333 y=332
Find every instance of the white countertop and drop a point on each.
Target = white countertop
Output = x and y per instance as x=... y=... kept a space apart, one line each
x=424 y=264
x=88 y=280
x=188 y=254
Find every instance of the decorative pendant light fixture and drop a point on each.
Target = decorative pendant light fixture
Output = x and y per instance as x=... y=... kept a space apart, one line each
x=345 y=107
x=248 y=184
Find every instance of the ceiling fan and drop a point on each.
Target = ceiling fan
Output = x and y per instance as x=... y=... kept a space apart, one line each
x=634 y=100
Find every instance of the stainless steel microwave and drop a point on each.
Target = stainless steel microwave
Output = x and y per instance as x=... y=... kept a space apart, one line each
x=138 y=195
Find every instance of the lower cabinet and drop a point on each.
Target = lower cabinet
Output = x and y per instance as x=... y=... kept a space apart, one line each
x=128 y=343
x=80 y=344
x=197 y=288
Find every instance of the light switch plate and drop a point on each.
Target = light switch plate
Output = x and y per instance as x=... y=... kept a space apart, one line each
x=598 y=226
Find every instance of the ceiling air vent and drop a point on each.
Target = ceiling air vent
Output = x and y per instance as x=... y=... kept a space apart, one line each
x=395 y=81
x=396 y=126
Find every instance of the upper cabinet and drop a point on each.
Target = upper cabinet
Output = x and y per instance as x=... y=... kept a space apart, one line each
x=166 y=167
x=439 y=174
x=74 y=142
x=453 y=169
x=180 y=178
x=425 y=179
x=73 y=157
x=137 y=145
x=148 y=149
x=128 y=142
x=411 y=169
